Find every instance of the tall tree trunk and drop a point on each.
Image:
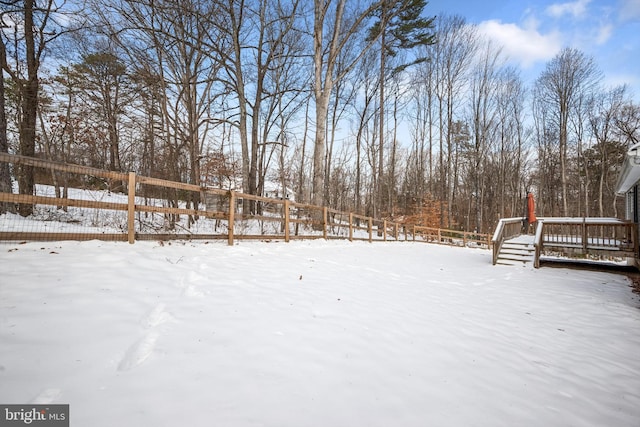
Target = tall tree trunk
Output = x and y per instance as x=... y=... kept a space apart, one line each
x=301 y=182
x=329 y=151
x=5 y=176
x=27 y=125
x=392 y=166
x=381 y=136
x=430 y=121
x=564 y=113
x=323 y=86
x=247 y=176
x=441 y=167
x=451 y=157
x=358 y=169
x=319 y=148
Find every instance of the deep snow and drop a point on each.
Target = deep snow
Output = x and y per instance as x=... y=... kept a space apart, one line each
x=321 y=333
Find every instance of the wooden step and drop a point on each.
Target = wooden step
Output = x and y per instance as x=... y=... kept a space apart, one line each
x=516 y=253
x=520 y=258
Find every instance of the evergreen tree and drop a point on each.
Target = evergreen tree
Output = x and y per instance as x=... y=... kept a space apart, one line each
x=399 y=26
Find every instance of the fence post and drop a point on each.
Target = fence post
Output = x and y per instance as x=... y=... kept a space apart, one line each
x=131 y=208
x=414 y=233
x=584 y=235
x=350 y=227
x=324 y=222
x=232 y=211
x=286 y=220
x=370 y=229
x=384 y=230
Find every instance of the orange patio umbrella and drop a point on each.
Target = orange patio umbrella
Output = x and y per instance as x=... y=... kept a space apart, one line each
x=531 y=209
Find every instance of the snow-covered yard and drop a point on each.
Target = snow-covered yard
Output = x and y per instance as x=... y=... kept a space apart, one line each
x=317 y=334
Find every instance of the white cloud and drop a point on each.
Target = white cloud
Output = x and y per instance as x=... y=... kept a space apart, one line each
x=576 y=9
x=604 y=34
x=526 y=45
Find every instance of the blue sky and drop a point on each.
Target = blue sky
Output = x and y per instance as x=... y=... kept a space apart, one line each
x=534 y=31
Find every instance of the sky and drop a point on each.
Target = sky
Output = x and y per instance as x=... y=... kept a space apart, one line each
x=534 y=31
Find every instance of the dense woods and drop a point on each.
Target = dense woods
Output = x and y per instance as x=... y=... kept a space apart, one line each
x=376 y=107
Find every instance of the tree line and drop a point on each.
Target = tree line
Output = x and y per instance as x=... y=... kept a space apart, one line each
x=375 y=107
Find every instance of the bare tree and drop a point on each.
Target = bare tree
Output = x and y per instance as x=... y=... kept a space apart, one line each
x=264 y=42
x=30 y=27
x=285 y=92
x=5 y=175
x=628 y=124
x=452 y=54
x=547 y=174
x=604 y=110
x=422 y=127
x=342 y=25
x=364 y=111
x=567 y=76
x=342 y=97
x=513 y=147
x=484 y=114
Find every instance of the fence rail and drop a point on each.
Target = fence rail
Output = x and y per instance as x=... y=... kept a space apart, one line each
x=84 y=204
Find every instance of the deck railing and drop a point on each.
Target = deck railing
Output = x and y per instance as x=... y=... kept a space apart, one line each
x=506 y=229
x=609 y=237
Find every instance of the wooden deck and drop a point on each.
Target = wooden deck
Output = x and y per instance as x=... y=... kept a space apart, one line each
x=580 y=239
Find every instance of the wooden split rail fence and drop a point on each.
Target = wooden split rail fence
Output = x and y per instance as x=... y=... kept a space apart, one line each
x=158 y=209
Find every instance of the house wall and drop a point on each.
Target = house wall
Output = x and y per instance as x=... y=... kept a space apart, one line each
x=633 y=212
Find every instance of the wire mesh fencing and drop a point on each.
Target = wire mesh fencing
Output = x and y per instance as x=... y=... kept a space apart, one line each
x=59 y=201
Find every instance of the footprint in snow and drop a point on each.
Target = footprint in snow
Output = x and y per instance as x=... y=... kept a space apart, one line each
x=189 y=286
x=139 y=352
x=157 y=316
